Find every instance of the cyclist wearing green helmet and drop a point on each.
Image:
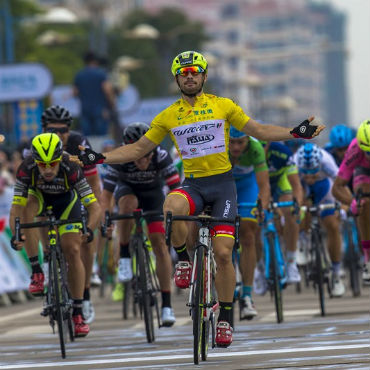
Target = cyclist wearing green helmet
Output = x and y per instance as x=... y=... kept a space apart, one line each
x=48 y=178
x=199 y=125
x=356 y=166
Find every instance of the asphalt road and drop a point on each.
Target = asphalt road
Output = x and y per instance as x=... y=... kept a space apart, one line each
x=305 y=340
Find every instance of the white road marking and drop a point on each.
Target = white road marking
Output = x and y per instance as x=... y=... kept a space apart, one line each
x=19 y=315
x=183 y=357
x=290 y=313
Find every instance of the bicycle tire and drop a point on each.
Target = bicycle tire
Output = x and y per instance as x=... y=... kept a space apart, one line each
x=317 y=245
x=67 y=314
x=145 y=292
x=197 y=303
x=274 y=276
x=126 y=299
x=206 y=321
x=352 y=262
x=57 y=304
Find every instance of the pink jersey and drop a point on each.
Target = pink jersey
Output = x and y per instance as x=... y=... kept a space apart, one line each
x=354 y=157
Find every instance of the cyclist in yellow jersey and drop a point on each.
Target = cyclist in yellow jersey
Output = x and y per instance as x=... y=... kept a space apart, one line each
x=199 y=125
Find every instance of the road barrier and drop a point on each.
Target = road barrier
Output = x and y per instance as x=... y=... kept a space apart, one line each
x=15 y=272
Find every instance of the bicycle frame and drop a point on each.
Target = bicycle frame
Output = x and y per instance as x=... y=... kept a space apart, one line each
x=58 y=306
x=145 y=292
x=202 y=301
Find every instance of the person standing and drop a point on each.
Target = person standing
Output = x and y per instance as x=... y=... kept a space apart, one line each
x=96 y=95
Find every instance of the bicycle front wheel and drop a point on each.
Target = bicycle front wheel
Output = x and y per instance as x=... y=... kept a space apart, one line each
x=197 y=302
x=145 y=289
x=318 y=250
x=275 y=280
x=352 y=261
x=57 y=309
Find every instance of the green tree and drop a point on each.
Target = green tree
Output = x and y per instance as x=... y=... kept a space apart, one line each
x=176 y=33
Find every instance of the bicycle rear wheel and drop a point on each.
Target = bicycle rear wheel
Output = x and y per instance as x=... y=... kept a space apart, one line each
x=144 y=282
x=274 y=276
x=57 y=309
x=319 y=275
x=352 y=261
x=197 y=303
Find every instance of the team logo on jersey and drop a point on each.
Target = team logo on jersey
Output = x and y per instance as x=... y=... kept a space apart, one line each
x=196 y=140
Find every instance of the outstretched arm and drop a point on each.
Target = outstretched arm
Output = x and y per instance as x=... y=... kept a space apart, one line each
x=122 y=154
x=275 y=133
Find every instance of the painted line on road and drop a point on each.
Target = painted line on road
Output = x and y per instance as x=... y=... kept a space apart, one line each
x=290 y=313
x=19 y=315
x=183 y=357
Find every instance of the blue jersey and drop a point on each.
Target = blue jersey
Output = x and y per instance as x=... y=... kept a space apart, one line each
x=279 y=157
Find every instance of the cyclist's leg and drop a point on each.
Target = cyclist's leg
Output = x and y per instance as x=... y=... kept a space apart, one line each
x=290 y=229
x=361 y=180
x=247 y=191
x=153 y=201
x=71 y=241
x=321 y=191
x=127 y=203
x=33 y=208
x=182 y=202
x=224 y=205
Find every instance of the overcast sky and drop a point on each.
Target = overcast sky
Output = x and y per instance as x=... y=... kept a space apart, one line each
x=358 y=45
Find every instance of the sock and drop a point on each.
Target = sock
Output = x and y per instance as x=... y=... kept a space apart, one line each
x=166 y=298
x=247 y=291
x=291 y=256
x=182 y=253
x=226 y=312
x=366 y=249
x=335 y=266
x=77 y=307
x=124 y=251
x=35 y=265
x=86 y=294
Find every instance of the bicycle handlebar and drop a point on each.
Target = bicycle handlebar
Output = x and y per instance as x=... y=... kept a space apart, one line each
x=320 y=207
x=48 y=223
x=205 y=220
x=137 y=215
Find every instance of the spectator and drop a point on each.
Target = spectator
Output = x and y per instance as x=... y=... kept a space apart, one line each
x=95 y=92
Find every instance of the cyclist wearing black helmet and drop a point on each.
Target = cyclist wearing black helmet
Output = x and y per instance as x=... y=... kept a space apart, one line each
x=139 y=184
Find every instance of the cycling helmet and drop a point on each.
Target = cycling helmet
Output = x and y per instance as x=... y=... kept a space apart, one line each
x=340 y=136
x=56 y=114
x=46 y=147
x=134 y=131
x=309 y=158
x=363 y=136
x=236 y=134
x=188 y=58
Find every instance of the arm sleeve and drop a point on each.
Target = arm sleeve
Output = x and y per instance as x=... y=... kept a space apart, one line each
x=328 y=164
x=157 y=130
x=110 y=179
x=259 y=157
x=236 y=115
x=167 y=168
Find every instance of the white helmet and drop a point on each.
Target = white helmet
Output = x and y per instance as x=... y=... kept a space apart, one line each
x=309 y=157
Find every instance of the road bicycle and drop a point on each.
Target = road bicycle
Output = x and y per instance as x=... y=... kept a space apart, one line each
x=145 y=285
x=318 y=265
x=352 y=253
x=58 y=304
x=275 y=268
x=202 y=301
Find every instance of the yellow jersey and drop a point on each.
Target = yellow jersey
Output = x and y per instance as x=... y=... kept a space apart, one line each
x=200 y=132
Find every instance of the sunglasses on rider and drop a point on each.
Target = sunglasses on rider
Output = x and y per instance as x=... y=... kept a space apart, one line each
x=56 y=130
x=47 y=164
x=194 y=70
